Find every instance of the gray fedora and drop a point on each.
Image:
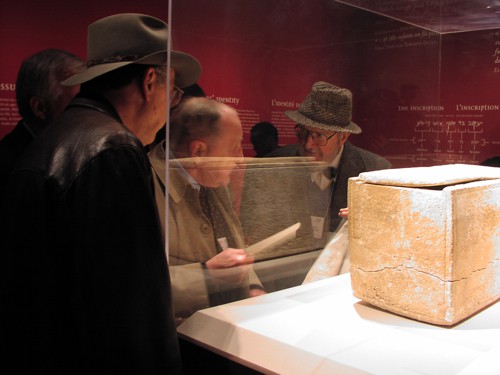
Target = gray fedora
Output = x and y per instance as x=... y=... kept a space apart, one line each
x=327 y=107
x=132 y=38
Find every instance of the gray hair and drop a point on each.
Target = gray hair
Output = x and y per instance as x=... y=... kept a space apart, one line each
x=40 y=75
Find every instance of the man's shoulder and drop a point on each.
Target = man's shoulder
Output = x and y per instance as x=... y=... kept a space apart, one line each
x=287 y=150
x=79 y=136
x=15 y=142
x=370 y=160
x=93 y=126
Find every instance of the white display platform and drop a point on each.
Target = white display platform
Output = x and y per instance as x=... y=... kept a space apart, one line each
x=321 y=328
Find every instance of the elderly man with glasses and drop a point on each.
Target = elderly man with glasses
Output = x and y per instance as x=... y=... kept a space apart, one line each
x=314 y=194
x=324 y=124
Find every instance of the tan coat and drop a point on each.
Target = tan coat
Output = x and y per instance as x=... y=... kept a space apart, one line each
x=191 y=241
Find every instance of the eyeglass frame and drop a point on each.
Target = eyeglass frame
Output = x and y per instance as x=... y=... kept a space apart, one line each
x=314 y=135
x=176 y=96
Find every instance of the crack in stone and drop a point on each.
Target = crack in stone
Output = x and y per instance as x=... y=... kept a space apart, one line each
x=425 y=273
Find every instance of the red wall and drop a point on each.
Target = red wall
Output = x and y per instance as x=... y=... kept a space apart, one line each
x=29 y=26
x=420 y=97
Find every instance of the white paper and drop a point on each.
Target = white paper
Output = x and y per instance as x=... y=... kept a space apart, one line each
x=274 y=240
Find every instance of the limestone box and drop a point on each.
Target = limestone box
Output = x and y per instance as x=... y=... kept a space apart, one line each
x=425 y=242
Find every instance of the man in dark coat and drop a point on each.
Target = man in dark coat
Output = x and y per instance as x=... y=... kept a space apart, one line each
x=40 y=98
x=84 y=283
x=289 y=191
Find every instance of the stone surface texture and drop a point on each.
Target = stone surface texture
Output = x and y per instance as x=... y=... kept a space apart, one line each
x=425 y=242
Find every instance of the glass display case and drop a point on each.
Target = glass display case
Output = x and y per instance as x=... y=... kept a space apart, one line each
x=425 y=83
x=424 y=78
x=425 y=90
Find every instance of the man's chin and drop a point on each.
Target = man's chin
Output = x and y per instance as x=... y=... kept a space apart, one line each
x=309 y=155
x=218 y=183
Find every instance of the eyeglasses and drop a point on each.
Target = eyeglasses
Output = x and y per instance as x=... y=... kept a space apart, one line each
x=176 y=97
x=318 y=138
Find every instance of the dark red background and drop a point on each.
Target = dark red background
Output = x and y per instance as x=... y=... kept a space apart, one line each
x=259 y=51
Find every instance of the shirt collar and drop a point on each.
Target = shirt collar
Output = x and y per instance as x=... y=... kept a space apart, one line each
x=336 y=162
x=173 y=161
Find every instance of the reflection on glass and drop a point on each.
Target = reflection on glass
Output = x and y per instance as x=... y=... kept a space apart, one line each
x=206 y=245
x=443 y=16
x=220 y=203
x=421 y=94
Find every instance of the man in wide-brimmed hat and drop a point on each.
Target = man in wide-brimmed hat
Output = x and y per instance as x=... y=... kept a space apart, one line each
x=323 y=126
x=84 y=280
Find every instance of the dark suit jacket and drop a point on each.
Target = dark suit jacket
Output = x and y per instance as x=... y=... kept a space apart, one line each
x=12 y=146
x=354 y=161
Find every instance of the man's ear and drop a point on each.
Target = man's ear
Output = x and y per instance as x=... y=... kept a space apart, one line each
x=343 y=136
x=198 y=148
x=38 y=107
x=150 y=78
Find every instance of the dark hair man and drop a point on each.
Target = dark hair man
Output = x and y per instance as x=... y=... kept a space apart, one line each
x=40 y=98
x=264 y=138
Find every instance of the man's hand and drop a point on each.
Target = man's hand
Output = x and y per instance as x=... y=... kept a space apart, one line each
x=256 y=292
x=231 y=265
x=229 y=258
x=344 y=212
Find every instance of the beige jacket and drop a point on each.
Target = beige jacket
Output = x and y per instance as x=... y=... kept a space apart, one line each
x=191 y=241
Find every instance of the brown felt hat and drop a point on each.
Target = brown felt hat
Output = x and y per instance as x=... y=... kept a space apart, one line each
x=326 y=107
x=131 y=38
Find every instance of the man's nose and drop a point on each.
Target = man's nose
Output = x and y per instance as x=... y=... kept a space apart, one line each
x=309 y=143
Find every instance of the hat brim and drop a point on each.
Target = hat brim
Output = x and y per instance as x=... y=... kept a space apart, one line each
x=187 y=68
x=303 y=120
